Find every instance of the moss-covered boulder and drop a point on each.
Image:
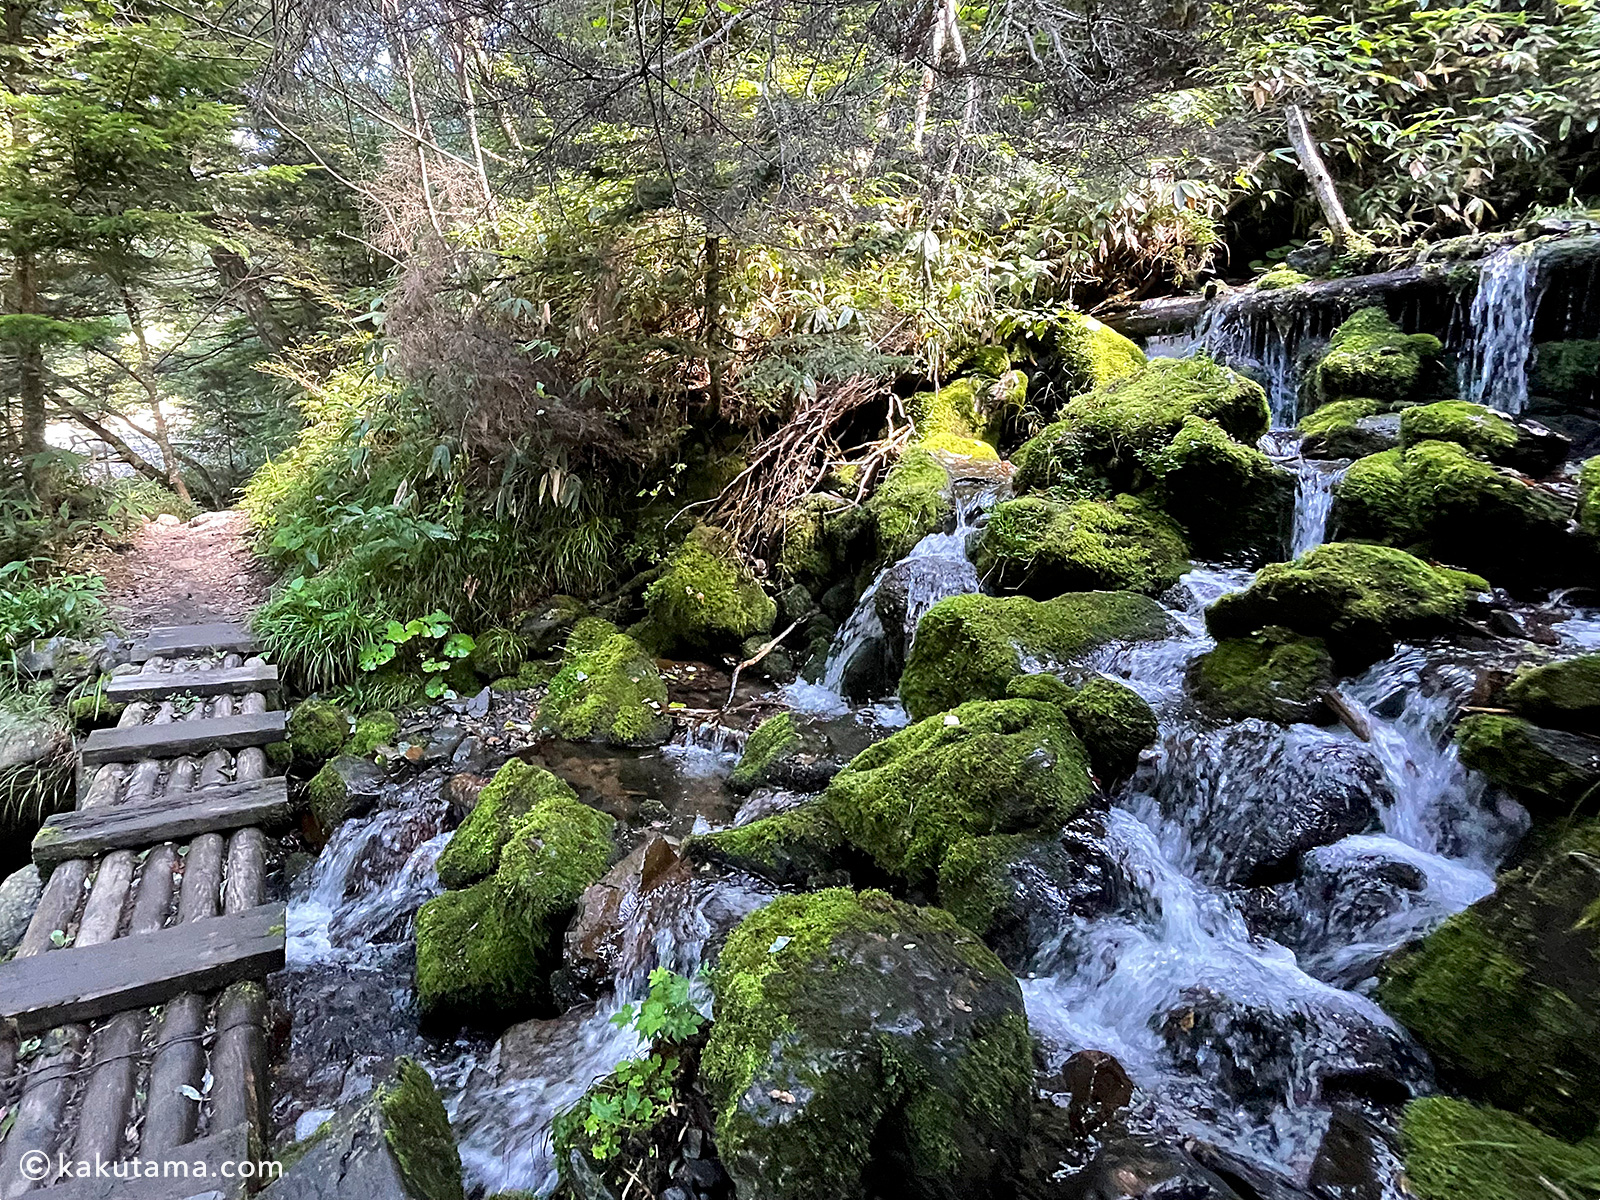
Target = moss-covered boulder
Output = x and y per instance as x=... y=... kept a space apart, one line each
x=706 y=599
x=318 y=730
x=373 y=729
x=1562 y=695
x=912 y=502
x=825 y=538
x=345 y=787
x=485 y=952
x=1506 y=994
x=856 y=1039
x=1359 y=599
x=608 y=690
x=546 y=625
x=1113 y=721
x=1458 y=1151
x=1274 y=675
x=788 y=753
x=1568 y=371
x=1349 y=428
x=1074 y=352
x=1043 y=547
x=473 y=851
x=801 y=847
x=961 y=418
x=1485 y=433
x=1589 y=496
x=1369 y=356
x=971 y=647
x=1372 y=502
x=1230 y=498
x=771 y=740
x=1552 y=771
x=395 y=1143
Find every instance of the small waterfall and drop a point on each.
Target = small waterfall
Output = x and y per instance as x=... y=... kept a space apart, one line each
x=1510 y=286
x=1313 y=501
x=1244 y=332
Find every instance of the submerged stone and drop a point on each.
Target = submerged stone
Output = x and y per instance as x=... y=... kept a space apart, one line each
x=1043 y=547
x=971 y=647
x=1506 y=994
x=857 y=1038
x=706 y=599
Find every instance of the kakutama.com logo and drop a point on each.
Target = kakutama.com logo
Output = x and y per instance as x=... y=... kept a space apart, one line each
x=39 y=1166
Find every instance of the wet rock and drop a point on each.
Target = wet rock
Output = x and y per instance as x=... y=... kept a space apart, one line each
x=1368 y=355
x=1349 y=429
x=789 y=752
x=1115 y=723
x=1559 y=695
x=546 y=627
x=774 y=664
x=597 y=940
x=1275 y=675
x=381 y=857
x=1551 y=771
x=19 y=897
x=1043 y=547
x=1136 y=1169
x=1357 y=1160
x=912 y=501
x=345 y=787
x=1098 y=1090
x=395 y=1145
x=859 y=1039
x=794 y=603
x=441 y=744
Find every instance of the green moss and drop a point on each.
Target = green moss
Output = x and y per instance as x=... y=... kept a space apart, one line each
x=706 y=598
x=1112 y=720
x=1275 y=675
x=1456 y=1151
x=473 y=852
x=372 y=730
x=807 y=555
x=475 y=962
x=985 y=767
x=772 y=739
x=1567 y=371
x=792 y=848
x=94 y=708
x=1357 y=598
x=1078 y=352
x=608 y=689
x=958 y=446
x=1369 y=356
x=1230 y=498
x=1505 y=996
x=1279 y=278
x=975 y=882
x=1044 y=547
x=1335 y=430
x=530 y=676
x=1481 y=431
x=328 y=796
x=555 y=851
x=1589 y=496
x=956 y=417
x=1563 y=695
x=989 y=361
x=970 y=647
x=1553 y=772
x=810 y=1106
x=417 y=1130
x=1373 y=501
x=317 y=729
x=498 y=652
x=911 y=503
x=1338 y=416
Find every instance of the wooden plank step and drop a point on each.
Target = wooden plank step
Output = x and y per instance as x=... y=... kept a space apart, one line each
x=193 y=1171
x=178 y=641
x=218 y=808
x=88 y=982
x=179 y=738
x=227 y=681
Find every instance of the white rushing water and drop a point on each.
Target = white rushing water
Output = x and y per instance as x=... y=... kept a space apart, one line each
x=1313 y=500
x=1510 y=286
x=1244 y=334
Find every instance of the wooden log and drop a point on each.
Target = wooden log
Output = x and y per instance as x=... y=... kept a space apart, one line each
x=142 y=782
x=108 y=1097
x=185 y=771
x=90 y=982
x=154 y=899
x=214 y=768
x=177 y=640
x=204 y=1159
x=37 y=1125
x=171 y=1116
x=202 y=879
x=230 y=680
x=245 y=881
x=58 y=904
x=250 y=763
x=102 y=912
x=184 y=737
x=219 y=808
x=238 y=1058
x=105 y=787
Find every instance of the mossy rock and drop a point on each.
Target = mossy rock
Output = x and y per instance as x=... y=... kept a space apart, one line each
x=838 y=1054
x=800 y=847
x=706 y=599
x=1348 y=429
x=989 y=361
x=497 y=653
x=1043 y=547
x=1552 y=771
x=1458 y=1151
x=1274 y=675
x=1359 y=599
x=1480 y=430
x=958 y=418
x=912 y=502
x=473 y=851
x=318 y=730
x=608 y=690
x=1230 y=498
x=1369 y=356
x=477 y=963
x=971 y=647
x=1589 y=496
x=94 y=709
x=1279 y=278
x=372 y=730
x=811 y=553
x=1505 y=995
x=1562 y=695
x=556 y=850
x=771 y=740
x=1117 y=436
x=1567 y=371
x=1075 y=352
x=546 y=626
x=1113 y=721
x=346 y=786
x=1372 y=502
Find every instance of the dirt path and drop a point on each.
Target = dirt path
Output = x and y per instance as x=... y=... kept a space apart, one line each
x=185 y=574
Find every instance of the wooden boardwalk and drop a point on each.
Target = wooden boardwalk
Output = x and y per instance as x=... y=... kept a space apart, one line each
x=133 y=1018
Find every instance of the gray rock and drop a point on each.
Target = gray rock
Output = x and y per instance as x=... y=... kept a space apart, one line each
x=26 y=742
x=346 y=787
x=442 y=744
x=478 y=707
x=19 y=897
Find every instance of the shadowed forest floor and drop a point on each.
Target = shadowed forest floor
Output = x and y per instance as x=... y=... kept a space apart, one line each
x=185 y=574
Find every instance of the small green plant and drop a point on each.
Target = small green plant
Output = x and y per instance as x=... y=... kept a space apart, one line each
x=36 y=605
x=641 y=1090
x=445 y=650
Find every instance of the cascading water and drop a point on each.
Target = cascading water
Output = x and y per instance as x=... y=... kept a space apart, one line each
x=1510 y=286
x=1245 y=335
x=1313 y=501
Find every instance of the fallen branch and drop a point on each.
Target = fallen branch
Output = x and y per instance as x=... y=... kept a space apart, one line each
x=759 y=655
x=1346 y=712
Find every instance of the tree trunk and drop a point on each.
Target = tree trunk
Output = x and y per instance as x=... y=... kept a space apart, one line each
x=25 y=276
x=469 y=100
x=711 y=324
x=936 y=36
x=109 y=436
x=1305 y=149
x=235 y=274
x=403 y=60
x=145 y=374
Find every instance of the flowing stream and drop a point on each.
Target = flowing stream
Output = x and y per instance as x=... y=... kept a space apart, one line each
x=1315 y=480
x=1510 y=285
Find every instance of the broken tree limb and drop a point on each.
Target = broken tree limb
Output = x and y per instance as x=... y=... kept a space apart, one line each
x=1347 y=714
x=754 y=659
x=1305 y=149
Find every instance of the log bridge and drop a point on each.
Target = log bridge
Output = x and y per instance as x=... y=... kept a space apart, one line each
x=133 y=1016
